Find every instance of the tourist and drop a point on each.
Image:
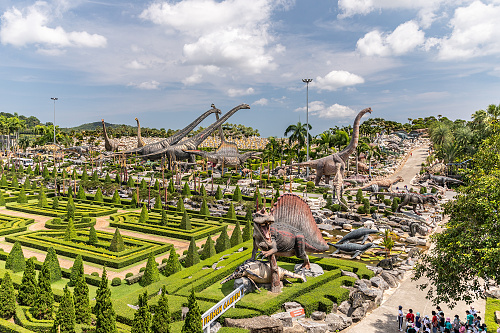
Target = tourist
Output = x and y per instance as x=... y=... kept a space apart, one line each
x=418 y=322
x=456 y=324
x=447 y=326
x=469 y=318
x=410 y=317
x=426 y=322
x=441 y=321
x=434 y=322
x=400 y=319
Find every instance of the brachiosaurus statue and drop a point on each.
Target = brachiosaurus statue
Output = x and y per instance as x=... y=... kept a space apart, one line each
x=140 y=141
x=162 y=144
x=227 y=154
x=178 y=151
x=110 y=145
x=334 y=164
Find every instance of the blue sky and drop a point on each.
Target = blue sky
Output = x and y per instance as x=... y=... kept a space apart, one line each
x=165 y=62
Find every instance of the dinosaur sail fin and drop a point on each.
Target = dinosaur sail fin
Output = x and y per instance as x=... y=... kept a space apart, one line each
x=292 y=210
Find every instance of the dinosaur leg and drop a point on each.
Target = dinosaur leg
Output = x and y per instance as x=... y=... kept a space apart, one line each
x=404 y=202
x=254 y=284
x=319 y=174
x=357 y=253
x=254 y=250
x=327 y=179
x=364 y=239
x=300 y=251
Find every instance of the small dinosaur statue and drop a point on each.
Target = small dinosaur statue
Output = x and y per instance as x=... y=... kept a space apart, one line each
x=288 y=230
x=335 y=164
x=410 y=198
x=140 y=141
x=388 y=263
x=441 y=180
x=80 y=150
x=358 y=234
x=260 y=272
x=375 y=185
x=109 y=145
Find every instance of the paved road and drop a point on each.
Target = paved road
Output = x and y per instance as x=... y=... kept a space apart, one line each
x=383 y=319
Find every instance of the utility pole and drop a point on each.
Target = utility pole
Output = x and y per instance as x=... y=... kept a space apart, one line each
x=307 y=81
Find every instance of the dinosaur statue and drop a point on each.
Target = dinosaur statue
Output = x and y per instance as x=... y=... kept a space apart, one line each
x=162 y=144
x=289 y=229
x=80 y=150
x=140 y=141
x=410 y=198
x=416 y=227
x=178 y=151
x=357 y=179
x=388 y=263
x=356 y=249
x=437 y=168
x=227 y=154
x=109 y=145
x=375 y=185
x=335 y=164
x=260 y=272
x=358 y=234
x=441 y=180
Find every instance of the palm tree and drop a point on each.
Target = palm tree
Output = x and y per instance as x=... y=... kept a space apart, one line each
x=440 y=133
x=373 y=151
x=340 y=139
x=298 y=133
x=494 y=111
x=271 y=151
x=361 y=147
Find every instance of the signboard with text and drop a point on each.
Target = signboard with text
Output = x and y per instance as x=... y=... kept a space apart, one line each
x=225 y=304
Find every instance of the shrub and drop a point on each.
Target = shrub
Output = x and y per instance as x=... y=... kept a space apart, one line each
x=218 y=193
x=15 y=260
x=361 y=210
x=359 y=196
x=55 y=203
x=180 y=205
x=2 y=199
x=116 y=198
x=116 y=282
x=223 y=242
x=208 y=249
x=142 y=269
x=204 y=208
x=22 y=196
x=236 y=237
x=93 y=240
x=237 y=194
x=144 y=214
x=247 y=231
x=423 y=190
x=433 y=190
x=70 y=232
x=117 y=244
x=185 y=222
x=185 y=190
x=52 y=264
x=158 y=204
x=173 y=264
x=98 y=196
x=231 y=214
x=387 y=202
x=94 y=274
x=7 y=297
x=151 y=273
x=310 y=186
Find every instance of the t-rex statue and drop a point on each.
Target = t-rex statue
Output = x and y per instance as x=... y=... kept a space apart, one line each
x=289 y=229
x=410 y=198
x=335 y=164
x=375 y=185
x=260 y=272
x=140 y=141
x=109 y=145
x=171 y=140
x=227 y=154
x=441 y=180
x=179 y=152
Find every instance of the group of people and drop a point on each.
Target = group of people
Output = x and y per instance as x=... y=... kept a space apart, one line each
x=437 y=322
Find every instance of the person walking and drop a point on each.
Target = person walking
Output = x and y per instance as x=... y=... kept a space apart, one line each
x=469 y=319
x=434 y=322
x=456 y=324
x=418 y=322
x=400 y=319
x=447 y=326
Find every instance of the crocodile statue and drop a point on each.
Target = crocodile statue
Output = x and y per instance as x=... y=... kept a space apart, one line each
x=227 y=154
x=388 y=263
x=260 y=272
x=179 y=152
x=358 y=234
x=289 y=229
x=335 y=164
x=109 y=145
x=441 y=180
x=410 y=198
x=162 y=144
x=377 y=184
x=140 y=141
x=355 y=249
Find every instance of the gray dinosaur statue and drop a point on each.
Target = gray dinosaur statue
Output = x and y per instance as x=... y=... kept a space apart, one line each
x=411 y=198
x=376 y=185
x=227 y=154
x=140 y=141
x=171 y=140
x=388 y=263
x=352 y=248
x=358 y=234
x=109 y=145
x=416 y=227
x=441 y=180
x=80 y=150
x=260 y=272
x=288 y=230
x=335 y=164
x=179 y=152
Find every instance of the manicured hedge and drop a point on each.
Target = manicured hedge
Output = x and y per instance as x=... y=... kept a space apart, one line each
x=81 y=209
x=13 y=224
x=8 y=327
x=42 y=240
x=80 y=223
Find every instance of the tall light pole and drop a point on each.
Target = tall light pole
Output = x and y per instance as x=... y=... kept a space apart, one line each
x=54 y=124
x=307 y=81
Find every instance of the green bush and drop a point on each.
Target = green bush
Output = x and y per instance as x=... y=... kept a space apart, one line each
x=16 y=261
x=116 y=282
x=94 y=274
x=117 y=244
x=129 y=274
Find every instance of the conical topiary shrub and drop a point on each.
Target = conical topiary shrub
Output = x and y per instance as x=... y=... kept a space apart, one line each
x=151 y=274
x=173 y=264
x=180 y=205
x=15 y=260
x=144 y=214
x=81 y=193
x=231 y=214
x=208 y=249
x=42 y=198
x=203 y=191
x=223 y=242
x=70 y=231
x=237 y=194
x=247 y=231
x=192 y=256
x=158 y=201
x=117 y=244
x=21 y=198
x=98 y=196
x=236 y=237
x=204 y=208
x=185 y=222
x=218 y=193
x=93 y=240
x=116 y=198
x=186 y=191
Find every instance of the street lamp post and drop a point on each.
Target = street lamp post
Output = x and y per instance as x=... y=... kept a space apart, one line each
x=54 y=124
x=307 y=81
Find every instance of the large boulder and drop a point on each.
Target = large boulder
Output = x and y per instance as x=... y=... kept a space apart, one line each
x=347 y=273
x=248 y=286
x=318 y=315
x=291 y=306
x=315 y=270
x=285 y=317
x=357 y=298
x=337 y=322
x=344 y=307
x=314 y=326
x=389 y=278
x=380 y=283
x=261 y=324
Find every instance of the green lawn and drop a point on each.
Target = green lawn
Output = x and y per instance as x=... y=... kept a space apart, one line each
x=492 y=305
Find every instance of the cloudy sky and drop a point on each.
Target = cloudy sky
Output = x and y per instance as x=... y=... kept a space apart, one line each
x=167 y=61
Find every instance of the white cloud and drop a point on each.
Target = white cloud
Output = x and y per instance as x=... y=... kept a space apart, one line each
x=230 y=34
x=240 y=92
x=350 y=8
x=136 y=65
x=405 y=38
x=476 y=32
x=262 y=101
x=335 y=80
x=199 y=73
x=318 y=108
x=30 y=26
x=150 y=85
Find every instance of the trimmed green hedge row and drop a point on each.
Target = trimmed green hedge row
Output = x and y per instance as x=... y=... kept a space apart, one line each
x=196 y=214
x=36 y=239
x=25 y=320
x=80 y=223
x=13 y=224
x=322 y=299
x=81 y=209
x=201 y=228
x=8 y=327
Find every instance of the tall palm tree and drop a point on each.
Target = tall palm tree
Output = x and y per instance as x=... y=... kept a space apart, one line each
x=298 y=133
x=271 y=151
x=440 y=133
x=340 y=139
x=494 y=111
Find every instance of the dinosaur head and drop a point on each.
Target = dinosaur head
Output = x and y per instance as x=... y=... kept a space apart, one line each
x=262 y=222
x=136 y=119
x=367 y=110
x=238 y=272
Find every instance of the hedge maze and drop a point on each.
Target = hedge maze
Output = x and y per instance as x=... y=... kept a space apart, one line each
x=13 y=224
x=81 y=209
x=135 y=249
